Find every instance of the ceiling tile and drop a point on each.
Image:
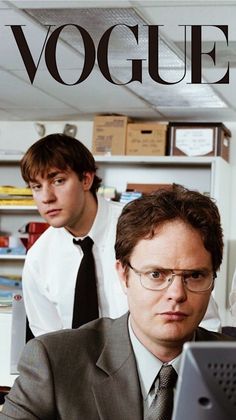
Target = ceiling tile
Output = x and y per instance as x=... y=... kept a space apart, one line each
x=94 y=92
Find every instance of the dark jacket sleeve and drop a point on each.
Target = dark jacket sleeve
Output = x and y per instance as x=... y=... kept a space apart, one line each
x=204 y=335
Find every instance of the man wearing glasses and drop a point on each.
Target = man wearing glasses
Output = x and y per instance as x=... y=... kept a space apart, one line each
x=169 y=248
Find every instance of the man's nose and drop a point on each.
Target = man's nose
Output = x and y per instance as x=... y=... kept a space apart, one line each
x=48 y=194
x=177 y=289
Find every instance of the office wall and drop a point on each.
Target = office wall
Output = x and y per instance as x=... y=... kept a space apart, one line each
x=20 y=135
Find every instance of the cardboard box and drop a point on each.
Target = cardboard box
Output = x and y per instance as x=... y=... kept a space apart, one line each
x=109 y=135
x=146 y=139
x=199 y=139
x=148 y=188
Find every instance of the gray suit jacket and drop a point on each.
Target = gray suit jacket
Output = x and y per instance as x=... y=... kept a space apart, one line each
x=84 y=374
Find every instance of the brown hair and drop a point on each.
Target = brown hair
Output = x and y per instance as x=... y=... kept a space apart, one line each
x=140 y=218
x=58 y=151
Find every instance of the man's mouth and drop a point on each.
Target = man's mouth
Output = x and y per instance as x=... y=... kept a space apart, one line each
x=53 y=212
x=174 y=315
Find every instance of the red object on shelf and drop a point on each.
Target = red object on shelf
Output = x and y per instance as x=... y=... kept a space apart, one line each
x=4 y=241
x=34 y=230
x=36 y=227
x=32 y=239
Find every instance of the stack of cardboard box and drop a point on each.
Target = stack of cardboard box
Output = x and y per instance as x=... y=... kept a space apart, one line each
x=117 y=135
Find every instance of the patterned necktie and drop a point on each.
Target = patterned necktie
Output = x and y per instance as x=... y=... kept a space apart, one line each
x=85 y=300
x=162 y=405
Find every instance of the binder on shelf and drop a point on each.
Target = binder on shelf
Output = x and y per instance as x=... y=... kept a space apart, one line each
x=18 y=250
x=15 y=196
x=128 y=196
x=9 y=285
x=9 y=190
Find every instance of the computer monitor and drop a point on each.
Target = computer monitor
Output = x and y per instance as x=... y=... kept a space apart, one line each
x=206 y=388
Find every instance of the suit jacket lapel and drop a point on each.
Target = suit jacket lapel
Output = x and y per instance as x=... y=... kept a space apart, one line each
x=119 y=395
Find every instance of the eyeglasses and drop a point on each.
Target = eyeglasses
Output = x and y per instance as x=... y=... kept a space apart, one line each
x=161 y=278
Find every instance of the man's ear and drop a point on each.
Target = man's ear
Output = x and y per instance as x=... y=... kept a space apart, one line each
x=122 y=273
x=87 y=180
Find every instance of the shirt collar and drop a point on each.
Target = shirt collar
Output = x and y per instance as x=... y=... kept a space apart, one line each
x=99 y=224
x=148 y=365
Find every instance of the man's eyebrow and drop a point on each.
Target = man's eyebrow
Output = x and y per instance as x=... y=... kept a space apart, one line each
x=159 y=267
x=49 y=176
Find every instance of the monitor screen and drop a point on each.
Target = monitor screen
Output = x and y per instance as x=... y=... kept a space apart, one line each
x=206 y=388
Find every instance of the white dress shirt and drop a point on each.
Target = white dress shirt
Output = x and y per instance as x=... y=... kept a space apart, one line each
x=148 y=367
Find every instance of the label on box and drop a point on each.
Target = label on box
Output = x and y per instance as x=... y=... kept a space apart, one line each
x=104 y=144
x=195 y=142
x=109 y=135
x=226 y=142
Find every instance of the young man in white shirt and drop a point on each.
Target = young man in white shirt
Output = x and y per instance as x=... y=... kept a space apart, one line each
x=61 y=172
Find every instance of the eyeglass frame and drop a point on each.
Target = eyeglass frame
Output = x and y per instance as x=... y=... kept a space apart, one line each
x=171 y=279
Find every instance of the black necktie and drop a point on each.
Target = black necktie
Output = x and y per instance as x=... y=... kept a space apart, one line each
x=162 y=405
x=86 y=300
